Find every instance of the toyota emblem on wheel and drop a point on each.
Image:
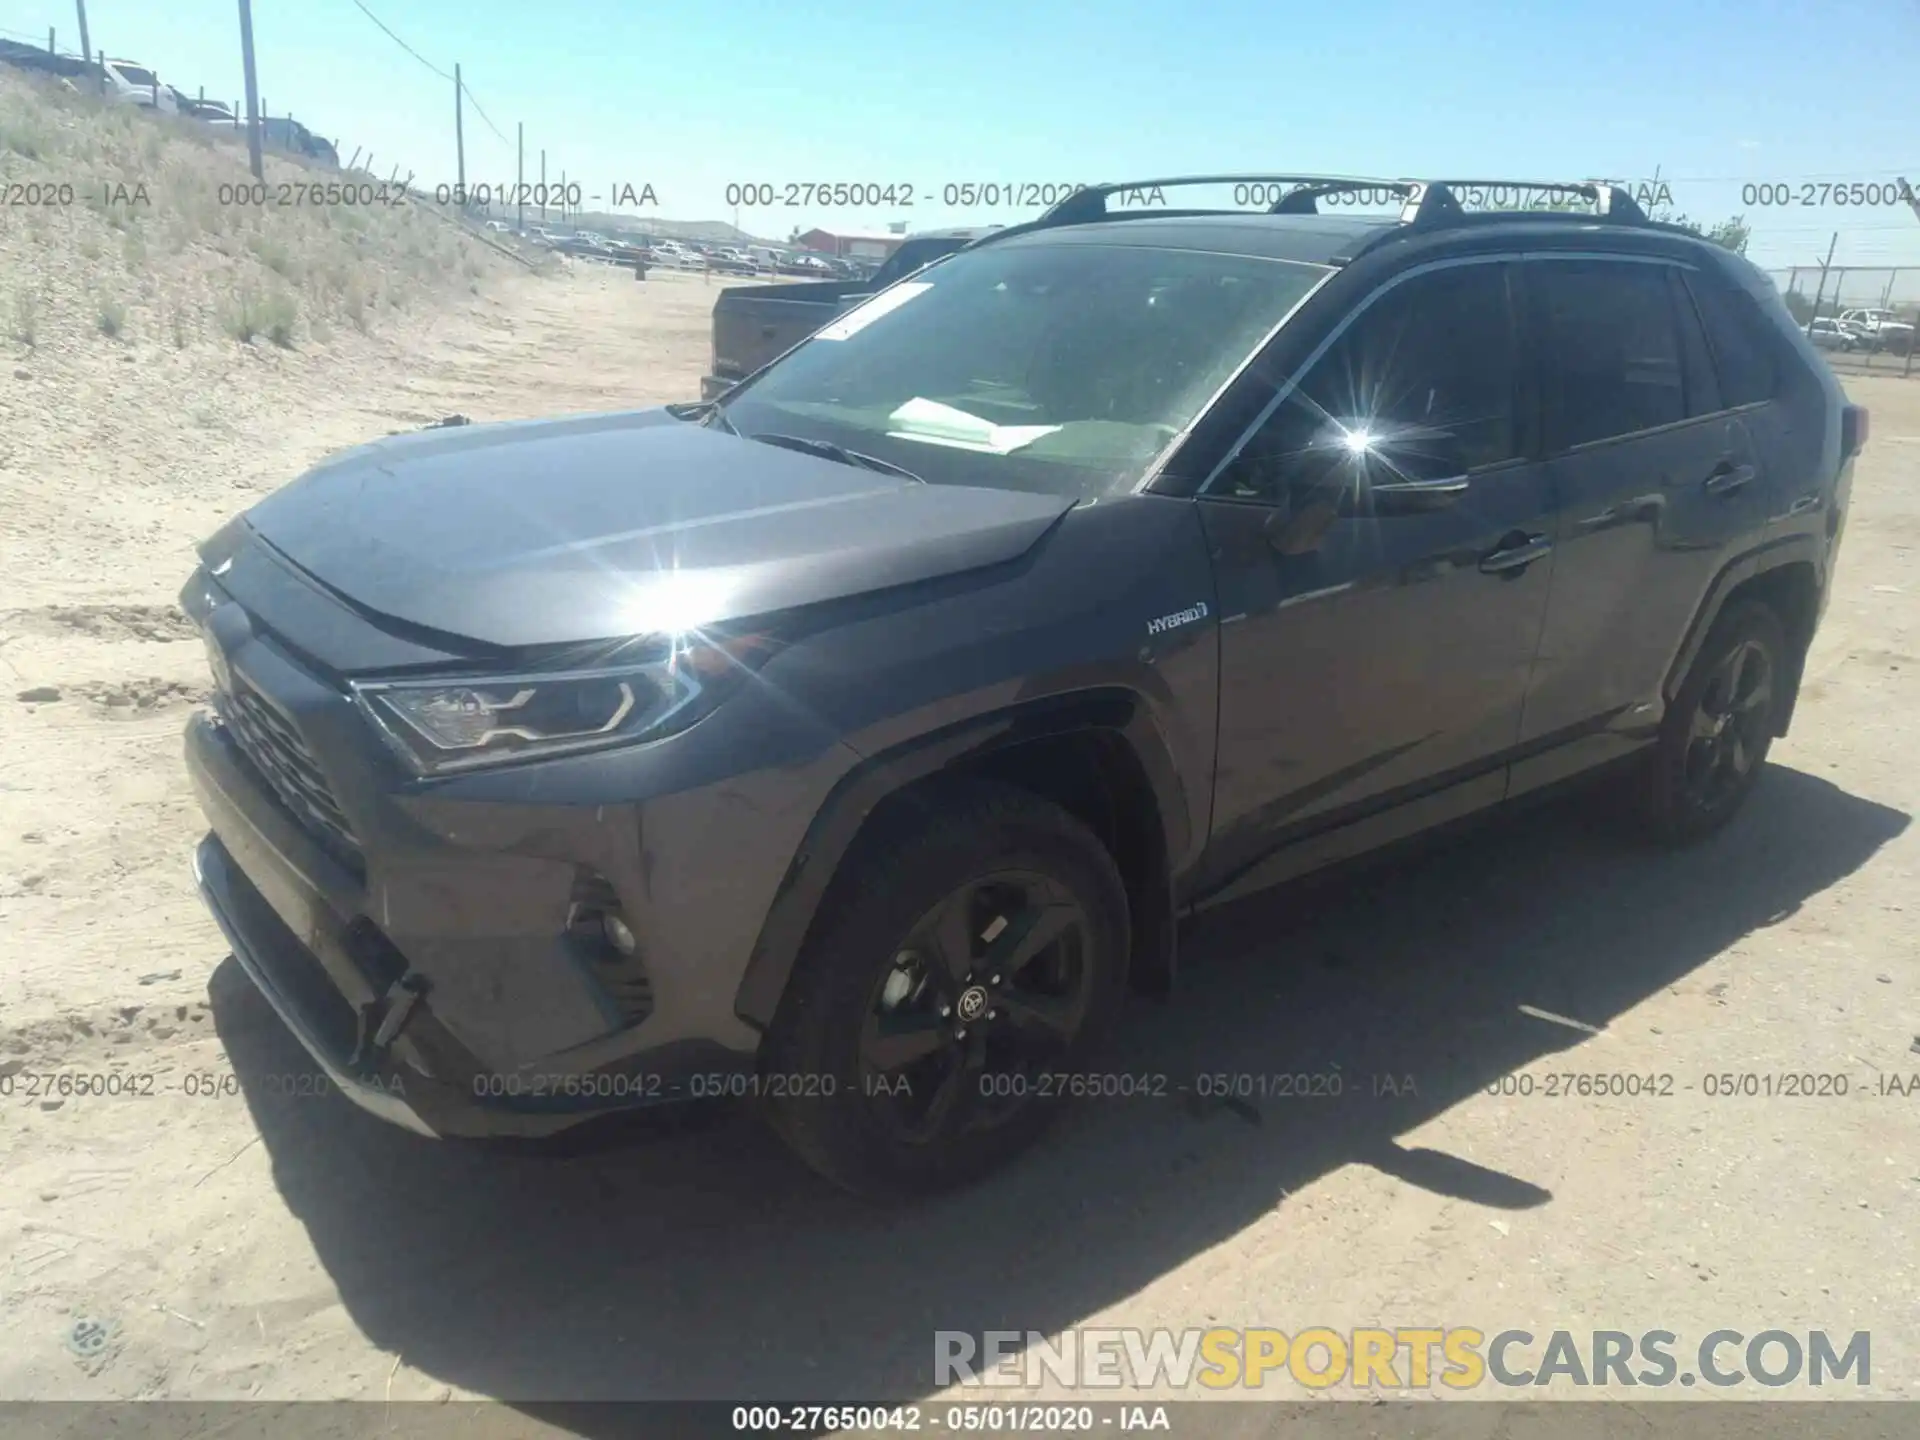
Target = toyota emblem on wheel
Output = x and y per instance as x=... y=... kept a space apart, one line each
x=973 y=1003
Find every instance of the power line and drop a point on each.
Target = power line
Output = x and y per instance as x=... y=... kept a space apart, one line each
x=401 y=43
x=481 y=113
x=465 y=88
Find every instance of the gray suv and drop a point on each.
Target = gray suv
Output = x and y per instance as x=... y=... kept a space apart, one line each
x=853 y=742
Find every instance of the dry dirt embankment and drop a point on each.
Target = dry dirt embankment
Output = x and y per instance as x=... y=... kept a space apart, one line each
x=167 y=356
x=159 y=326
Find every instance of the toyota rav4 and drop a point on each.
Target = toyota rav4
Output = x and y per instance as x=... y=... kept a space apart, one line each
x=854 y=741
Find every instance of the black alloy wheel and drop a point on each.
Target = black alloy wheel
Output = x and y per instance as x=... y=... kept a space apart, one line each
x=986 y=994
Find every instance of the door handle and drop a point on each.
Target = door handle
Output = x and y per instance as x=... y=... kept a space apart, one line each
x=1513 y=558
x=1728 y=477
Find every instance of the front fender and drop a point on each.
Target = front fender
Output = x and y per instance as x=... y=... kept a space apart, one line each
x=859 y=793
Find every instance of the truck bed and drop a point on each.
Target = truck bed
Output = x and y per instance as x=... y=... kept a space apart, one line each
x=754 y=323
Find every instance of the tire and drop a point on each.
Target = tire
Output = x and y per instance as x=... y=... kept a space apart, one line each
x=1714 y=739
x=872 y=975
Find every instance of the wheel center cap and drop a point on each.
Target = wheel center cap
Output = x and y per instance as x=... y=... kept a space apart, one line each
x=972 y=1003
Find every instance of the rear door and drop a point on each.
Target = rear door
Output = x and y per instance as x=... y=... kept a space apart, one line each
x=1382 y=561
x=1656 y=479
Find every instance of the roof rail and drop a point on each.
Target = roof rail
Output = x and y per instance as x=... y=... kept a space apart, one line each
x=1438 y=202
x=1089 y=206
x=1428 y=204
x=1091 y=203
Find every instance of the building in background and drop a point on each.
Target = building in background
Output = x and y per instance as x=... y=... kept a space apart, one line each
x=850 y=244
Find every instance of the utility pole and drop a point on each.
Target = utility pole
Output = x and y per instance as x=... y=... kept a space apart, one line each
x=520 y=177
x=1913 y=204
x=253 y=90
x=459 y=141
x=86 y=45
x=1820 y=293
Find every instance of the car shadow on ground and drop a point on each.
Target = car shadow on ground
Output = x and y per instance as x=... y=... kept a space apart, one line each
x=699 y=1261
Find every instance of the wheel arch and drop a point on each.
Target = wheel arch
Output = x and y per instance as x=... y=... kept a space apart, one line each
x=1099 y=754
x=1789 y=575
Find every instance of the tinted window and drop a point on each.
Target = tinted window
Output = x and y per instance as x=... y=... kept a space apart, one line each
x=1419 y=386
x=1615 y=350
x=1742 y=340
x=1703 y=389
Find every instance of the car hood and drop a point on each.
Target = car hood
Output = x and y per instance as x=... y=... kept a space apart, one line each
x=601 y=526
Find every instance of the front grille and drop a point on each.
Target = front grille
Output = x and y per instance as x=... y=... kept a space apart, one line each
x=283 y=760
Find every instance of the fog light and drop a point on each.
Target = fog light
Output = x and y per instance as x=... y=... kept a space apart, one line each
x=618 y=934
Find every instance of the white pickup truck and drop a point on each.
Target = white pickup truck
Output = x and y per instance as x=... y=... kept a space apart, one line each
x=1880 y=329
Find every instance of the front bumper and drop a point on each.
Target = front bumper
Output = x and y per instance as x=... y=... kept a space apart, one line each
x=419 y=938
x=284 y=973
x=368 y=1017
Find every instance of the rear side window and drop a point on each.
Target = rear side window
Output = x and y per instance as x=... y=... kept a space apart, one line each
x=1703 y=387
x=1610 y=332
x=1743 y=341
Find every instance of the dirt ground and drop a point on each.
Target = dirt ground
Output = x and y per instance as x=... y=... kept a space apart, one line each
x=230 y=1239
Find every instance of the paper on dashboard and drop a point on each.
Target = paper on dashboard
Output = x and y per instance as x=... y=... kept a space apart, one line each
x=939 y=424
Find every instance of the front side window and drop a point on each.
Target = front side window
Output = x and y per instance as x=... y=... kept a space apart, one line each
x=1613 y=346
x=1419 y=386
x=1065 y=368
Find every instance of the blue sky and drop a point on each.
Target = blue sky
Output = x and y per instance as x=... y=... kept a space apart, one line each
x=690 y=97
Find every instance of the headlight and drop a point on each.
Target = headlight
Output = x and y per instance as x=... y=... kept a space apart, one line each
x=460 y=723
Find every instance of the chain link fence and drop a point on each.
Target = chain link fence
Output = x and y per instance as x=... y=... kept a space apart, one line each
x=1881 y=343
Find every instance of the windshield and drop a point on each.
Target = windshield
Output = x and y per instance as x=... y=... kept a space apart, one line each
x=133 y=74
x=1064 y=368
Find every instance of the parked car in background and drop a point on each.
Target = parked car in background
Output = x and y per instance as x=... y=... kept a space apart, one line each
x=585 y=245
x=674 y=255
x=731 y=260
x=1830 y=334
x=38 y=58
x=282 y=134
x=202 y=109
x=132 y=83
x=1883 y=329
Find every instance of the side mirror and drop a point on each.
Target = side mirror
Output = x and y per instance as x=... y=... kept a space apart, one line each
x=1417 y=497
x=1297 y=529
x=1402 y=470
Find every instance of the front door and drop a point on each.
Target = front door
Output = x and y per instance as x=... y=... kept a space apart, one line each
x=1382 y=551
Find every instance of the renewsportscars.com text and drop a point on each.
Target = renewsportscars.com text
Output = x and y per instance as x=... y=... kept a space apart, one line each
x=1416 y=1358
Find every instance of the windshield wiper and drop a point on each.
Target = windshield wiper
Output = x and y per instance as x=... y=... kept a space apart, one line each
x=831 y=451
x=703 y=412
